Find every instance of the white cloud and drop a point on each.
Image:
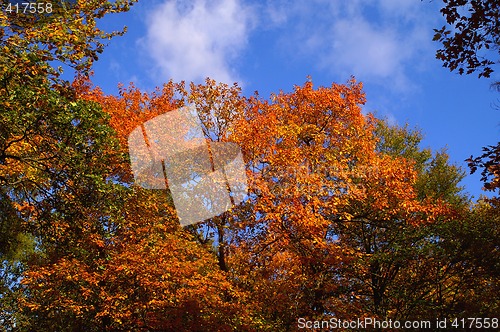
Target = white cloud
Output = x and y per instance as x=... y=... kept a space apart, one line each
x=378 y=41
x=192 y=40
x=362 y=48
x=274 y=13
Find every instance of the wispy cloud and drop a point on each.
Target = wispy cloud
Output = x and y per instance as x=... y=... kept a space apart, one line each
x=371 y=39
x=379 y=44
x=378 y=41
x=190 y=40
x=383 y=43
x=358 y=47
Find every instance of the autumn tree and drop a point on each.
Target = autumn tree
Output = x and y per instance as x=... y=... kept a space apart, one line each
x=147 y=273
x=341 y=219
x=346 y=217
x=35 y=102
x=343 y=216
x=141 y=270
x=329 y=208
x=47 y=135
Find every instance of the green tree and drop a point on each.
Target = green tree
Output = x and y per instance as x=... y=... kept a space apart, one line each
x=437 y=178
x=395 y=248
x=446 y=271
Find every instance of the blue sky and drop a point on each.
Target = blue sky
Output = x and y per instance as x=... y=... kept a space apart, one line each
x=273 y=45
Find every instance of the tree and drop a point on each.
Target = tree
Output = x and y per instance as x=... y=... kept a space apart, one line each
x=35 y=103
x=140 y=270
x=47 y=135
x=334 y=222
x=471 y=42
x=433 y=272
x=148 y=273
x=489 y=161
x=346 y=217
x=436 y=179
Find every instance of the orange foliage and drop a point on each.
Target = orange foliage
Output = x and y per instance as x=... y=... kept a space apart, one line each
x=323 y=210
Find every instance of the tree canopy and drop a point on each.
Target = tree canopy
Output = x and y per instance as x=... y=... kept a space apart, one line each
x=346 y=216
